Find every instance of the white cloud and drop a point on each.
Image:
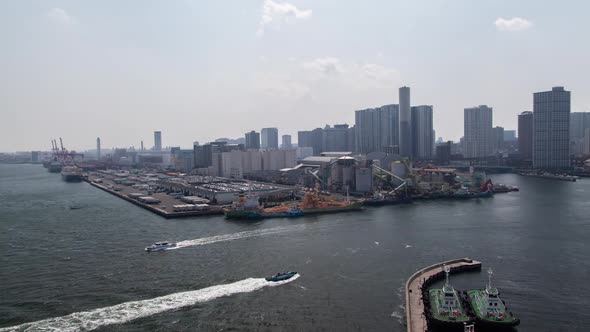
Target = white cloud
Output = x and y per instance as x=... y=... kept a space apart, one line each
x=323 y=78
x=60 y=16
x=324 y=66
x=512 y=24
x=280 y=12
x=359 y=75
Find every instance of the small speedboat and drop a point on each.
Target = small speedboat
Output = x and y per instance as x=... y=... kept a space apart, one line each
x=281 y=276
x=158 y=246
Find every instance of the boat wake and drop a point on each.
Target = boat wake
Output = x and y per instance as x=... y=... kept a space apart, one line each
x=239 y=235
x=128 y=311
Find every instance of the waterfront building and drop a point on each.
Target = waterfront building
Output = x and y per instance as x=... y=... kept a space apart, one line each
x=477 y=129
x=252 y=140
x=336 y=138
x=98 y=148
x=423 y=134
x=551 y=125
x=579 y=122
x=286 y=142
x=376 y=129
x=525 y=135
x=157 y=141
x=274 y=160
x=269 y=138
x=207 y=155
x=405 y=123
x=443 y=152
x=498 y=137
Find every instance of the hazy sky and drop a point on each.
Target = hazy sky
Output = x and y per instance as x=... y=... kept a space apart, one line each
x=198 y=70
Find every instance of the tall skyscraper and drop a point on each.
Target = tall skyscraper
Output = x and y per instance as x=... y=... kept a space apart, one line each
x=157 y=141
x=252 y=140
x=498 y=137
x=269 y=138
x=525 y=135
x=422 y=132
x=98 y=148
x=551 y=126
x=477 y=132
x=286 y=142
x=376 y=129
x=405 y=123
x=579 y=122
x=336 y=138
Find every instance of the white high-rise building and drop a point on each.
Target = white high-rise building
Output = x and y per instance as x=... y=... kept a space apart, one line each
x=551 y=129
x=98 y=148
x=423 y=134
x=269 y=138
x=478 y=135
x=376 y=129
x=405 y=123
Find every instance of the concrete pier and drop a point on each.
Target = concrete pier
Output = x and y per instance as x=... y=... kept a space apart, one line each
x=164 y=207
x=415 y=318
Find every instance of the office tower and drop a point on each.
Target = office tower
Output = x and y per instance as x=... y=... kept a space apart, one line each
x=477 y=132
x=252 y=140
x=551 y=126
x=422 y=132
x=286 y=142
x=498 y=137
x=98 y=148
x=304 y=138
x=269 y=138
x=376 y=129
x=525 y=135
x=157 y=141
x=579 y=122
x=405 y=123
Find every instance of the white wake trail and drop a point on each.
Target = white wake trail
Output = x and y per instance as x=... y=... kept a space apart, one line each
x=239 y=235
x=128 y=311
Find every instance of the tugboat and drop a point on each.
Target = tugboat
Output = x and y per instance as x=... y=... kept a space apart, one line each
x=445 y=308
x=281 y=276
x=159 y=246
x=489 y=310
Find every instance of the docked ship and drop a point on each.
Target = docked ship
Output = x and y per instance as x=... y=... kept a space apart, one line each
x=71 y=174
x=551 y=176
x=381 y=200
x=444 y=307
x=488 y=309
x=248 y=207
x=314 y=203
x=54 y=166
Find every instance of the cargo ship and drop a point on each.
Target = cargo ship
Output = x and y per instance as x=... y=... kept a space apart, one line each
x=488 y=309
x=314 y=203
x=54 y=166
x=444 y=307
x=71 y=174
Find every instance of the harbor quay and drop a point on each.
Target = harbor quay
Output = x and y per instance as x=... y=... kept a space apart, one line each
x=415 y=314
x=172 y=197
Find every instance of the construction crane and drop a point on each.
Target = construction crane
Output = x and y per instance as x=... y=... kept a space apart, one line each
x=378 y=169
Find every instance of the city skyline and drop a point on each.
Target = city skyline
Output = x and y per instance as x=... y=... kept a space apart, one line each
x=81 y=67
